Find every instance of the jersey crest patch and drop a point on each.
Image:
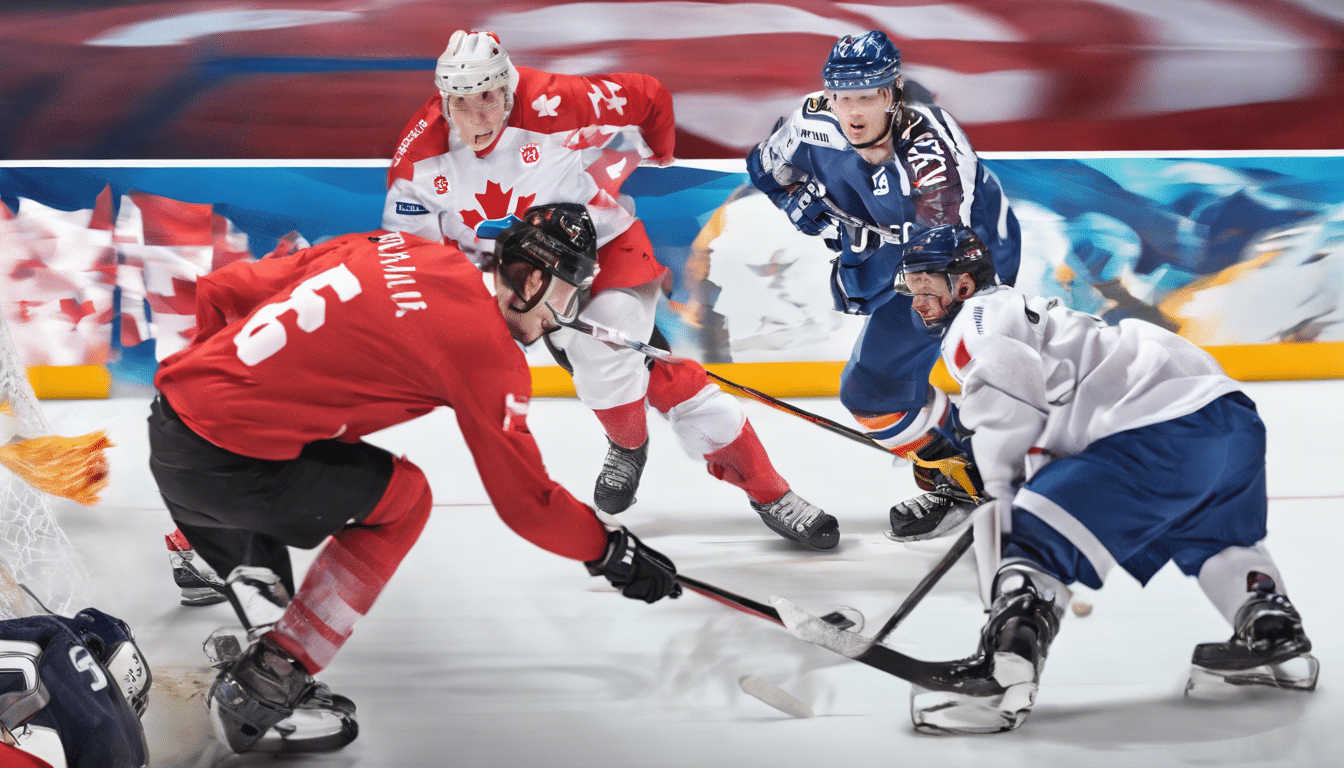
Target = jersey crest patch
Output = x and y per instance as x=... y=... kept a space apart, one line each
x=880 y=184
x=441 y=184
x=515 y=413
x=530 y=153
x=411 y=209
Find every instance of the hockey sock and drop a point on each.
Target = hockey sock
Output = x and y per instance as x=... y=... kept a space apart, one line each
x=626 y=425
x=351 y=571
x=744 y=463
x=1233 y=576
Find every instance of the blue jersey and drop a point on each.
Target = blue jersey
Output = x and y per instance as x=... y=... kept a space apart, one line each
x=80 y=680
x=934 y=178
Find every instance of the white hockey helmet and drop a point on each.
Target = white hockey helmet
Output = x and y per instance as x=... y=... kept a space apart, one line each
x=474 y=62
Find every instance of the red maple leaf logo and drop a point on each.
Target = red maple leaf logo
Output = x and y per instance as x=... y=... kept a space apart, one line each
x=495 y=204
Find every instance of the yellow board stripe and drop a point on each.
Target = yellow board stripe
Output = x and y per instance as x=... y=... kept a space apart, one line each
x=70 y=382
x=1246 y=362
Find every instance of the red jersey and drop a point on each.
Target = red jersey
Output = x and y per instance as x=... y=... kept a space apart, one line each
x=568 y=139
x=356 y=335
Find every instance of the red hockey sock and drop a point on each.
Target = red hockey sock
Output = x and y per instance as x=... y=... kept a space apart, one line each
x=743 y=463
x=626 y=425
x=351 y=571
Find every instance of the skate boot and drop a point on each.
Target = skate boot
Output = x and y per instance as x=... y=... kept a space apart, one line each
x=1268 y=647
x=264 y=701
x=995 y=689
x=946 y=505
x=199 y=583
x=621 y=470
x=792 y=517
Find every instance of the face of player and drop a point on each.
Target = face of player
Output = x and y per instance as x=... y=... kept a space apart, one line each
x=862 y=112
x=527 y=327
x=933 y=296
x=478 y=117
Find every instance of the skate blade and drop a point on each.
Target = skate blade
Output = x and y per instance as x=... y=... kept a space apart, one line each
x=201 y=596
x=1298 y=673
x=952 y=522
x=309 y=730
x=956 y=714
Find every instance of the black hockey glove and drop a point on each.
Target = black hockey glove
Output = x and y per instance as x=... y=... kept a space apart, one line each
x=641 y=573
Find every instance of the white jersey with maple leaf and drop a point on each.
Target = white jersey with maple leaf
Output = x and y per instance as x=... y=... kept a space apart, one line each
x=568 y=139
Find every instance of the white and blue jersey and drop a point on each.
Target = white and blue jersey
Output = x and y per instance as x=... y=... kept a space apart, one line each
x=934 y=178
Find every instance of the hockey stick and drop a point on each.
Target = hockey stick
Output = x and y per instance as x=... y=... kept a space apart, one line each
x=845 y=217
x=954 y=467
x=928 y=674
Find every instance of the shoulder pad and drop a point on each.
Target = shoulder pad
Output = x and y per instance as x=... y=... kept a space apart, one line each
x=814 y=123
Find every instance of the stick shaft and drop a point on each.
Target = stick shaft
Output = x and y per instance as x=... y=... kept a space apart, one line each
x=925 y=584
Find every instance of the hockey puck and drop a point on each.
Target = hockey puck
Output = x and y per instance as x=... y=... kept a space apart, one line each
x=1081 y=608
x=774 y=696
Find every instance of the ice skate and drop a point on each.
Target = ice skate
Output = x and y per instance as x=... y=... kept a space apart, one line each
x=792 y=517
x=995 y=689
x=1268 y=647
x=930 y=515
x=199 y=583
x=621 y=470
x=264 y=701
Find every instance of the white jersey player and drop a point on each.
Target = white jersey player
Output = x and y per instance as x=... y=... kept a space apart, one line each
x=1101 y=446
x=496 y=139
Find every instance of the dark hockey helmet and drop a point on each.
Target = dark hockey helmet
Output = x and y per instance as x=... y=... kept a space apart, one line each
x=558 y=239
x=867 y=61
x=948 y=249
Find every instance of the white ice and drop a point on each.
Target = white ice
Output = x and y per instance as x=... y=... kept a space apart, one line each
x=487 y=651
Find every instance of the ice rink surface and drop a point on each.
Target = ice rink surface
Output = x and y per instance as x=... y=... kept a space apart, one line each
x=486 y=651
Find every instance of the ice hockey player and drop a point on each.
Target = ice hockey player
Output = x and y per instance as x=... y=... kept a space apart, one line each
x=898 y=167
x=496 y=138
x=1100 y=446
x=72 y=692
x=255 y=441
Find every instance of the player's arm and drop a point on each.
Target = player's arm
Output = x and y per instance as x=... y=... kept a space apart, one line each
x=536 y=507
x=648 y=104
x=1003 y=397
x=408 y=206
x=942 y=167
x=782 y=166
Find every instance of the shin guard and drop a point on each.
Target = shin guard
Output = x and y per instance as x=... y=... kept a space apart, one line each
x=744 y=463
x=351 y=571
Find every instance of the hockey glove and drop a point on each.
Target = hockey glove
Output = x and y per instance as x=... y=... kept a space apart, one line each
x=641 y=573
x=806 y=208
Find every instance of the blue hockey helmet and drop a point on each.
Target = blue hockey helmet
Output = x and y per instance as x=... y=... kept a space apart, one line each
x=867 y=61
x=947 y=249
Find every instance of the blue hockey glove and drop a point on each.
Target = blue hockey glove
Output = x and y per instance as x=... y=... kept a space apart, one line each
x=806 y=209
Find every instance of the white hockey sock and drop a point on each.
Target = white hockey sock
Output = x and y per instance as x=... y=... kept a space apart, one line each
x=1226 y=577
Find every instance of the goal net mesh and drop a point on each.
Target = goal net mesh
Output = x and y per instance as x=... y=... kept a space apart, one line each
x=33 y=546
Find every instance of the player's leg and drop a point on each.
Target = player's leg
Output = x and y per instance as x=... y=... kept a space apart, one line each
x=885 y=386
x=199 y=583
x=1222 y=544
x=709 y=424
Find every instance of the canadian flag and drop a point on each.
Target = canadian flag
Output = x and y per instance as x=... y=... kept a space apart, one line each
x=164 y=245
x=57 y=275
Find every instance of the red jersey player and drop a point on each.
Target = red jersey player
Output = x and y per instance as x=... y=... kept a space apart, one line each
x=498 y=138
x=255 y=440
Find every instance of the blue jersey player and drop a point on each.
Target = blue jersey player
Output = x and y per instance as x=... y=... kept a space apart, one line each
x=882 y=170
x=1103 y=448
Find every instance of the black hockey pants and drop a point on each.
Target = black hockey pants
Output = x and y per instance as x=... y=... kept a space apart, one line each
x=237 y=510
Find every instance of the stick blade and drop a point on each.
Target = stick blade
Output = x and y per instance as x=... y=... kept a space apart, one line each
x=805 y=626
x=774 y=696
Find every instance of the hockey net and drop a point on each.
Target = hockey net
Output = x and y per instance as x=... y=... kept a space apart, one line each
x=33 y=546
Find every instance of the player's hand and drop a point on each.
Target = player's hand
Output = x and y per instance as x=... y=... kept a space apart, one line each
x=805 y=207
x=639 y=572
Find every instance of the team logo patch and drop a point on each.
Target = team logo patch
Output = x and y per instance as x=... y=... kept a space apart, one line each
x=411 y=209
x=531 y=153
x=441 y=184
x=515 y=413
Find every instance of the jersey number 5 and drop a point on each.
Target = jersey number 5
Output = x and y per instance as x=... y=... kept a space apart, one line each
x=264 y=334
